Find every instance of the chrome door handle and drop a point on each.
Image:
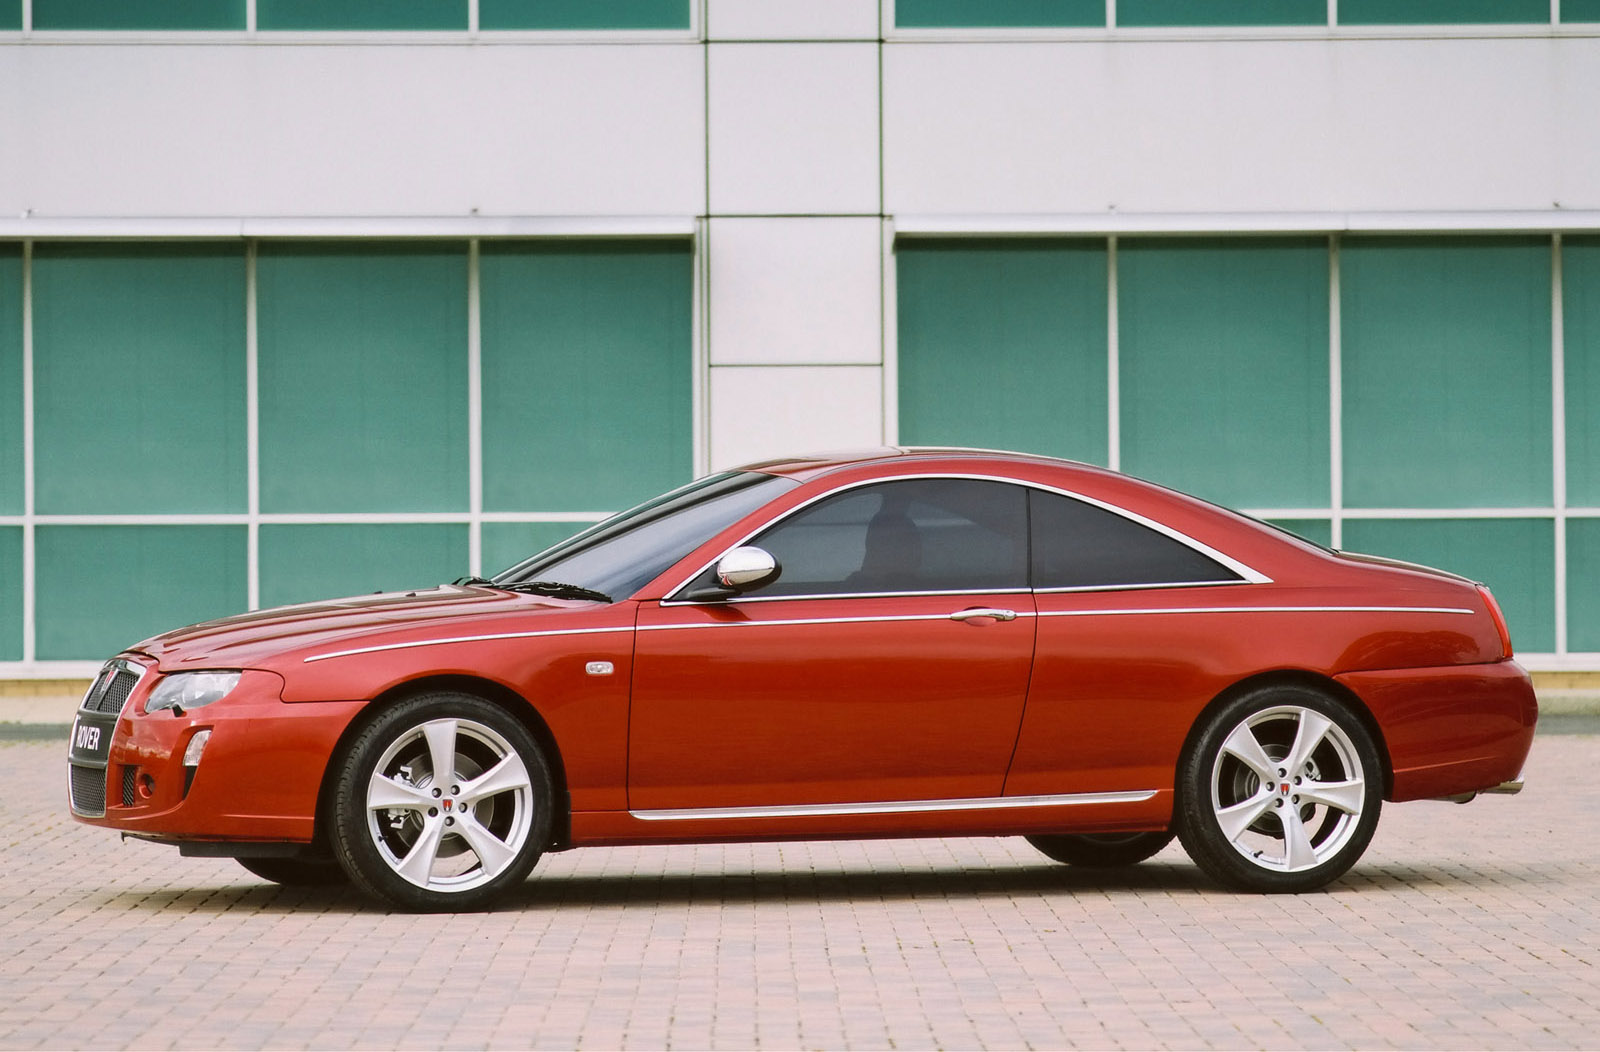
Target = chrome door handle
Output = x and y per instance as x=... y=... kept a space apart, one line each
x=984 y=611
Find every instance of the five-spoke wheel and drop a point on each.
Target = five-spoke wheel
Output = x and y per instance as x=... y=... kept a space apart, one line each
x=442 y=803
x=1280 y=792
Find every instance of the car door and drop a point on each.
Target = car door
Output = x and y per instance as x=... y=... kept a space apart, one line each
x=888 y=662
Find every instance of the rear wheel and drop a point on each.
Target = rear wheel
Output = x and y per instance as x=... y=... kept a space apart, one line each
x=1101 y=850
x=1281 y=791
x=442 y=803
x=297 y=872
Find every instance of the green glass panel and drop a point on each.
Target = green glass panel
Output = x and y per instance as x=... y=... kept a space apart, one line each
x=1580 y=302
x=10 y=593
x=587 y=368
x=1003 y=345
x=1222 y=12
x=909 y=14
x=10 y=14
x=1580 y=10
x=583 y=14
x=103 y=588
x=507 y=543
x=1319 y=530
x=139 y=378
x=138 y=14
x=1514 y=557
x=304 y=563
x=1223 y=362
x=1446 y=349
x=363 y=377
x=361 y=14
x=1397 y=12
x=10 y=380
x=1583 y=585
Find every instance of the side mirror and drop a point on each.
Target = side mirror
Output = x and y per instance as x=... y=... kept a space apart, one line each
x=745 y=568
x=738 y=571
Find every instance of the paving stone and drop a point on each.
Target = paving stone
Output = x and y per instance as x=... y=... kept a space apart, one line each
x=1471 y=926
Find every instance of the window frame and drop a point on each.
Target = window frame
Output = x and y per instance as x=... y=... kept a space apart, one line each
x=1247 y=574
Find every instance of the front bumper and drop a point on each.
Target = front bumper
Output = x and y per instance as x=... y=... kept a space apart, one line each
x=258 y=778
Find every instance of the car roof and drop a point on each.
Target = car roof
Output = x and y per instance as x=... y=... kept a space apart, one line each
x=812 y=465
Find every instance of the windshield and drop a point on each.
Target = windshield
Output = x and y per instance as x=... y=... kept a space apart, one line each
x=625 y=552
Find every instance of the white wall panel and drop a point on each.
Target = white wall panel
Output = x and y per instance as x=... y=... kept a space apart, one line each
x=766 y=411
x=1241 y=126
x=794 y=128
x=806 y=20
x=350 y=129
x=796 y=290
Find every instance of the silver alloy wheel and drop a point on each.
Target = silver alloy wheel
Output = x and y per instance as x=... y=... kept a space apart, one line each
x=449 y=805
x=1287 y=788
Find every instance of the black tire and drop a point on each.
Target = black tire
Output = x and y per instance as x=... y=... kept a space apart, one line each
x=431 y=844
x=1279 y=816
x=1101 y=850
x=297 y=872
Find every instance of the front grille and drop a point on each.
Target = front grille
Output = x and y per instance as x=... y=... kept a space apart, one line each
x=88 y=790
x=129 y=773
x=116 y=693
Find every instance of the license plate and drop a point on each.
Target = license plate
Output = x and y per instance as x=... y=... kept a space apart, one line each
x=91 y=739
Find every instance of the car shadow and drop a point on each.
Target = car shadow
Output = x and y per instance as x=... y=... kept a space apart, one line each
x=809 y=886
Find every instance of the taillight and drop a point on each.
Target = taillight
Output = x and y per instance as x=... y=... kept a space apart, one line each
x=1499 y=620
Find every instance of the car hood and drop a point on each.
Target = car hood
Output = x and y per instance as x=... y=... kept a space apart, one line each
x=260 y=638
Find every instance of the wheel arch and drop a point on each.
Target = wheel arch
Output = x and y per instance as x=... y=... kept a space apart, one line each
x=1309 y=680
x=498 y=694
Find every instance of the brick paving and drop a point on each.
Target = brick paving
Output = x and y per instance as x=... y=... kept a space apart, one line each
x=1464 y=927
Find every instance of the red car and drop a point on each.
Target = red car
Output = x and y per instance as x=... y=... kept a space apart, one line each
x=902 y=642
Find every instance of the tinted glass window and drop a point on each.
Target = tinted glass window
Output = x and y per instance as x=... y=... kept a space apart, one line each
x=917 y=535
x=1077 y=545
x=625 y=552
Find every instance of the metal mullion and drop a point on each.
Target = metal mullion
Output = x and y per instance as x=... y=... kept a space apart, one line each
x=252 y=431
x=1558 y=437
x=1113 y=362
x=29 y=545
x=889 y=330
x=474 y=405
x=700 y=348
x=1335 y=401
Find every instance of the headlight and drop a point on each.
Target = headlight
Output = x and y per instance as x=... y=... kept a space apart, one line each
x=190 y=690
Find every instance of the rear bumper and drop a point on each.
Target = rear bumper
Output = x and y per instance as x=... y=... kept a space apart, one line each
x=1454 y=730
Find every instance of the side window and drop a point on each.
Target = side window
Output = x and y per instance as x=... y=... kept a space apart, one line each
x=1079 y=545
x=915 y=535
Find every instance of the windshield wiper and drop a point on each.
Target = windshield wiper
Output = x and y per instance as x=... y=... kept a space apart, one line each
x=474 y=579
x=553 y=589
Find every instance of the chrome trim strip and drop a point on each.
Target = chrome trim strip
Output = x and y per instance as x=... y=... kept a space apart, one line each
x=1250 y=575
x=888 y=618
x=893 y=807
x=810 y=621
x=1070 y=589
x=848 y=595
x=1260 y=610
x=466 y=639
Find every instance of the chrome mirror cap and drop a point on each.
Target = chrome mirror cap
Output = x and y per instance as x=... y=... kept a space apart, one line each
x=746 y=567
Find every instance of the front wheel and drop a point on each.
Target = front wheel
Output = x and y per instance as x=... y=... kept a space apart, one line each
x=442 y=803
x=1101 y=850
x=1280 y=792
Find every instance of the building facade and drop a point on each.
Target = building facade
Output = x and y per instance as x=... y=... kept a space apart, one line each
x=302 y=298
